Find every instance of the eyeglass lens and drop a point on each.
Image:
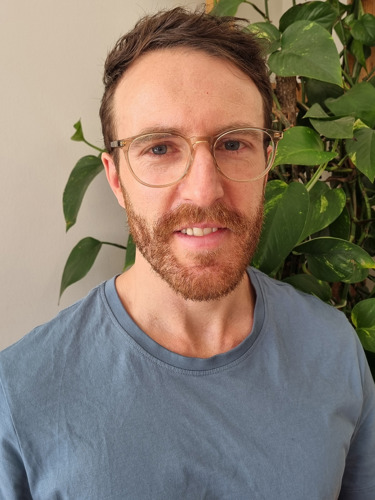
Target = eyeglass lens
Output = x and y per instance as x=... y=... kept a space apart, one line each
x=162 y=158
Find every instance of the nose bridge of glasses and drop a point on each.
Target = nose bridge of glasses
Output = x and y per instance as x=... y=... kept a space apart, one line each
x=198 y=140
x=195 y=141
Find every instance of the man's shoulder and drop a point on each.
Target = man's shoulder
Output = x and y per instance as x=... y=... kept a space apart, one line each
x=288 y=296
x=299 y=311
x=310 y=331
x=47 y=340
x=51 y=364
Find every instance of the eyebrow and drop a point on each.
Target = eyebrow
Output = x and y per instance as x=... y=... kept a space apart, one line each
x=172 y=130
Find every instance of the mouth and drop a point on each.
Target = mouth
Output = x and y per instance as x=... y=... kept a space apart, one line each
x=199 y=231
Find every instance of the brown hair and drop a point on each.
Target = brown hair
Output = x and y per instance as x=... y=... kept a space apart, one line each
x=222 y=37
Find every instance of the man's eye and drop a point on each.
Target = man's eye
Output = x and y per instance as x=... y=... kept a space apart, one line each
x=160 y=149
x=232 y=145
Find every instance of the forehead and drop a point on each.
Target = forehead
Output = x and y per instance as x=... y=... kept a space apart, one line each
x=185 y=89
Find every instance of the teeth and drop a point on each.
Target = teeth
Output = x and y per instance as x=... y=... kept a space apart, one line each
x=198 y=231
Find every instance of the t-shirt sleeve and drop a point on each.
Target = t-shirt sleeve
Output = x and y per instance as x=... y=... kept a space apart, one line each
x=13 y=479
x=359 y=477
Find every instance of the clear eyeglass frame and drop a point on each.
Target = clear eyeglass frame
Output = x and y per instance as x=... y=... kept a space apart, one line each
x=274 y=137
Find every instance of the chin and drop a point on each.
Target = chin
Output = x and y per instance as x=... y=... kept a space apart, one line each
x=205 y=280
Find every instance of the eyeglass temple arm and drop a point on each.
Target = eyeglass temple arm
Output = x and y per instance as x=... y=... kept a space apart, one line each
x=276 y=135
x=117 y=144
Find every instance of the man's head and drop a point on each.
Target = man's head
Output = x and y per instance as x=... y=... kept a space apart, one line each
x=199 y=232
x=222 y=37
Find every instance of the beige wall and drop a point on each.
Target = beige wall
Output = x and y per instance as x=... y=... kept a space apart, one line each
x=52 y=54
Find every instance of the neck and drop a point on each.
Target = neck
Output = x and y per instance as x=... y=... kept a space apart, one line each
x=189 y=328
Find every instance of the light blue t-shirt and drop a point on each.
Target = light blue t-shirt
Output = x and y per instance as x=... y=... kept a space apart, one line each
x=92 y=408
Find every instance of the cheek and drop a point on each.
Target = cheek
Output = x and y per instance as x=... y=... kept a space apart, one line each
x=246 y=197
x=149 y=203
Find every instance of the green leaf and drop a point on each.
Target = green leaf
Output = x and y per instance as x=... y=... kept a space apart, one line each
x=363 y=29
x=302 y=146
x=285 y=213
x=266 y=31
x=309 y=284
x=307 y=49
x=369 y=243
x=331 y=259
x=334 y=128
x=316 y=111
x=80 y=261
x=340 y=227
x=86 y=169
x=325 y=206
x=343 y=33
x=226 y=7
x=340 y=8
x=357 y=49
x=357 y=102
x=318 y=92
x=130 y=253
x=361 y=150
x=363 y=318
x=341 y=29
x=78 y=134
x=320 y=12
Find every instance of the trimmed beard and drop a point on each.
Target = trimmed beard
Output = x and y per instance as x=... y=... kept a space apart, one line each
x=212 y=275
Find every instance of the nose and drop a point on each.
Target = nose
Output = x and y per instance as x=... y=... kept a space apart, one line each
x=203 y=184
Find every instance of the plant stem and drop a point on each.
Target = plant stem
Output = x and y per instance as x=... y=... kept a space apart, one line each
x=94 y=147
x=367 y=77
x=353 y=212
x=358 y=9
x=257 y=9
x=365 y=197
x=344 y=295
x=347 y=76
x=342 y=161
x=314 y=179
x=367 y=208
x=303 y=91
x=280 y=115
x=114 y=245
x=301 y=104
x=266 y=9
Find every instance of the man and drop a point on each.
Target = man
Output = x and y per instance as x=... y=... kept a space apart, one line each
x=189 y=376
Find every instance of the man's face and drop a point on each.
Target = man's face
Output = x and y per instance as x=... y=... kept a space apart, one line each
x=199 y=234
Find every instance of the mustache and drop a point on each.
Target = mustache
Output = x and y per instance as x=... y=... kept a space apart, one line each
x=186 y=215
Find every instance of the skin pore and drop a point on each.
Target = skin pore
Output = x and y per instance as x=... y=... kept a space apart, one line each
x=189 y=292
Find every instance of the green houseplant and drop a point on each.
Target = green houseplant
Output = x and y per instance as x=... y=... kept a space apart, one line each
x=320 y=199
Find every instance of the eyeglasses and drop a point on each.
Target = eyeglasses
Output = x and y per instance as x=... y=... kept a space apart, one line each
x=162 y=159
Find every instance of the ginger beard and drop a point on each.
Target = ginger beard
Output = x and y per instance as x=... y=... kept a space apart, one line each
x=212 y=274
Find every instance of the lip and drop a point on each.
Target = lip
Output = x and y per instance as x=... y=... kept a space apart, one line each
x=199 y=231
x=201 y=225
x=191 y=229
x=211 y=241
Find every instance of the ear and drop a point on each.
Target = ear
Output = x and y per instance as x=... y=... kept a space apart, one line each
x=113 y=177
x=269 y=153
x=265 y=184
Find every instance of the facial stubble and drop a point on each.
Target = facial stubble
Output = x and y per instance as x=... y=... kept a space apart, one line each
x=212 y=274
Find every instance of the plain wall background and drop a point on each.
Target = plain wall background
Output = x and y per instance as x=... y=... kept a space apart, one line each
x=52 y=55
